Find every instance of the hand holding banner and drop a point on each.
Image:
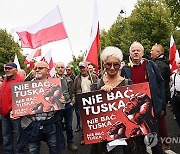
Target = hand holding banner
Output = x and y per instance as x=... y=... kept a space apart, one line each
x=36 y=97
x=123 y=113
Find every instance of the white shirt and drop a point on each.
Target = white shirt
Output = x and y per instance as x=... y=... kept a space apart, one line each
x=85 y=84
x=177 y=83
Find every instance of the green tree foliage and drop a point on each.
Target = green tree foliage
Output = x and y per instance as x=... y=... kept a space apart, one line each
x=104 y=39
x=76 y=62
x=176 y=36
x=118 y=35
x=8 y=49
x=174 y=6
x=148 y=24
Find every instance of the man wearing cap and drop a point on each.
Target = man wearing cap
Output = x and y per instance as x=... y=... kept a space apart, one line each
x=83 y=83
x=9 y=125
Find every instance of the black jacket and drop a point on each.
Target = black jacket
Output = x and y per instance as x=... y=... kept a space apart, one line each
x=163 y=65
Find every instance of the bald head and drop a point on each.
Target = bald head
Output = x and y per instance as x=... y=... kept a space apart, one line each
x=60 y=68
x=42 y=64
x=156 y=51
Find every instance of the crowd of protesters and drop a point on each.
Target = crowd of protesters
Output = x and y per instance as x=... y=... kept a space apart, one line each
x=49 y=126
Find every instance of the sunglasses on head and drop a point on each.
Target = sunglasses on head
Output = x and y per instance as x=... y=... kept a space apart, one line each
x=39 y=68
x=116 y=65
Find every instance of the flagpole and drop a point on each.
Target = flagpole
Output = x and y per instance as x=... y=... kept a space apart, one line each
x=101 y=63
x=29 y=74
x=70 y=46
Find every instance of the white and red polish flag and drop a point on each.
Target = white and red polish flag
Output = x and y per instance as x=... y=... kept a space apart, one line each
x=48 y=59
x=173 y=55
x=50 y=28
x=94 y=46
x=16 y=61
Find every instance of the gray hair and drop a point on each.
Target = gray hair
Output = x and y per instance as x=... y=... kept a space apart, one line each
x=111 y=51
x=136 y=43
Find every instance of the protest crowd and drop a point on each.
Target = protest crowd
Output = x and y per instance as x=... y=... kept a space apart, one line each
x=48 y=126
x=118 y=106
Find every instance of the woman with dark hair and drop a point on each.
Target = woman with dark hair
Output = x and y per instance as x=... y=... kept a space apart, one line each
x=112 y=57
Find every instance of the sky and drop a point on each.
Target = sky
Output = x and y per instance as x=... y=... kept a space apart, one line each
x=77 y=17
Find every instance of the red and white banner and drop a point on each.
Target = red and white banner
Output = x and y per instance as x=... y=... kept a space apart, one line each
x=92 y=54
x=173 y=55
x=50 y=28
x=123 y=113
x=37 y=96
x=48 y=59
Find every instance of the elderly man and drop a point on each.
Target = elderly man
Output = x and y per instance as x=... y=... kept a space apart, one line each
x=82 y=84
x=43 y=126
x=67 y=113
x=143 y=70
x=9 y=125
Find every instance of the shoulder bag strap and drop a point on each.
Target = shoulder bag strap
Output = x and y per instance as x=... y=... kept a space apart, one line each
x=174 y=82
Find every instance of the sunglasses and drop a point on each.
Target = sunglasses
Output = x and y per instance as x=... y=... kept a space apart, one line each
x=116 y=65
x=60 y=67
x=39 y=68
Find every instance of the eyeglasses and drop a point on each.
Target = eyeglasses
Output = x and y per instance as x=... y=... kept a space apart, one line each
x=116 y=65
x=8 y=68
x=60 y=67
x=39 y=68
x=81 y=67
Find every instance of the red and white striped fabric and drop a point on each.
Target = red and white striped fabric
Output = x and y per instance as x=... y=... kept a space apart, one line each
x=173 y=55
x=50 y=28
x=33 y=54
x=48 y=59
x=30 y=65
x=94 y=46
